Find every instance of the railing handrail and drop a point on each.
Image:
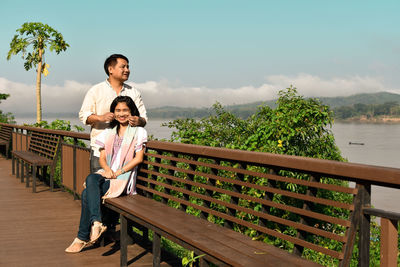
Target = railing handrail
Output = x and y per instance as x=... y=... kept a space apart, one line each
x=360 y=173
x=356 y=172
x=84 y=136
x=364 y=175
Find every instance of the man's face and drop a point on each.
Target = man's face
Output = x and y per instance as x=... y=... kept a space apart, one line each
x=120 y=71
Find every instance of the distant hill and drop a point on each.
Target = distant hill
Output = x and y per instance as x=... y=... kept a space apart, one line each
x=374 y=98
x=245 y=110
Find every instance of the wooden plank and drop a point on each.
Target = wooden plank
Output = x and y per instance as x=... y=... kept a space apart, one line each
x=258 y=174
x=268 y=217
x=268 y=231
x=389 y=242
x=67 y=167
x=352 y=171
x=38 y=227
x=255 y=186
x=265 y=202
x=225 y=244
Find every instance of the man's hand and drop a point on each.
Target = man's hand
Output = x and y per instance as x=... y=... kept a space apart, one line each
x=93 y=119
x=107 y=117
x=136 y=121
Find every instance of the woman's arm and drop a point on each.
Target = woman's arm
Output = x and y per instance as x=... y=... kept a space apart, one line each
x=132 y=164
x=108 y=173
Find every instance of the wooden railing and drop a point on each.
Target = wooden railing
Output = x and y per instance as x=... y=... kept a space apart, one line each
x=75 y=167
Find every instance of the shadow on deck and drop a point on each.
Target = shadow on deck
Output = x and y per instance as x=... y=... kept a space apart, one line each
x=36 y=228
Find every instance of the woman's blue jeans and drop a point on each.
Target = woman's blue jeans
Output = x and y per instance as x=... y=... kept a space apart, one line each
x=96 y=187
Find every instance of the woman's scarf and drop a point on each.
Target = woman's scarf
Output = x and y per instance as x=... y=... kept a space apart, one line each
x=127 y=152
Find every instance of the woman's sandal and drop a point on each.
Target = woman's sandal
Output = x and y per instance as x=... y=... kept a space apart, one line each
x=97 y=230
x=76 y=246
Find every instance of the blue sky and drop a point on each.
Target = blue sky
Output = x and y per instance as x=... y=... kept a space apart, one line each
x=193 y=53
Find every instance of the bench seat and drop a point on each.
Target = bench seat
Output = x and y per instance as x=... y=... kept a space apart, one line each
x=42 y=152
x=221 y=245
x=5 y=138
x=32 y=158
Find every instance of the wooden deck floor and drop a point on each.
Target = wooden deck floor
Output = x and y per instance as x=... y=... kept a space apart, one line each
x=36 y=228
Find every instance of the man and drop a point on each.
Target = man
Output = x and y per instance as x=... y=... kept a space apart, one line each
x=95 y=110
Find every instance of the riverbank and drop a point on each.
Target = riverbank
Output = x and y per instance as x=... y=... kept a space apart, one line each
x=377 y=119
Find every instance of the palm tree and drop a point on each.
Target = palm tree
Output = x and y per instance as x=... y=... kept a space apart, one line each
x=40 y=36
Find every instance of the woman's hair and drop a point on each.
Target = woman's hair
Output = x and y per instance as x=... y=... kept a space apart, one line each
x=129 y=102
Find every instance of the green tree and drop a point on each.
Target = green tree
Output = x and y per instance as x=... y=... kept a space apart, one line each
x=6 y=117
x=3 y=97
x=40 y=36
x=297 y=126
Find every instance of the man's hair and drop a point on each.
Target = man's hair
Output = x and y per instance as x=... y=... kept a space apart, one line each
x=112 y=60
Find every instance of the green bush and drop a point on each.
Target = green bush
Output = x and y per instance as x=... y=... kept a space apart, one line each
x=297 y=126
x=6 y=117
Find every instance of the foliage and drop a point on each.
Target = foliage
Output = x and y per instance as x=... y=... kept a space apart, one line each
x=188 y=261
x=58 y=125
x=390 y=108
x=3 y=97
x=297 y=126
x=40 y=37
x=62 y=125
x=6 y=117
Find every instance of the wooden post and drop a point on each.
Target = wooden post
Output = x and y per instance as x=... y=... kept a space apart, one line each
x=389 y=242
x=123 y=241
x=352 y=231
x=34 y=168
x=13 y=164
x=20 y=139
x=17 y=159
x=74 y=167
x=365 y=228
x=61 y=162
x=156 y=249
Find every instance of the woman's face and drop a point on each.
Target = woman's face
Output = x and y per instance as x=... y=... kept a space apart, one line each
x=122 y=113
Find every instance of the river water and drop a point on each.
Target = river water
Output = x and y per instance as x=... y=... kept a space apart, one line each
x=377 y=144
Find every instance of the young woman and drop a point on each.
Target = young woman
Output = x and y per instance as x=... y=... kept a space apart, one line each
x=121 y=151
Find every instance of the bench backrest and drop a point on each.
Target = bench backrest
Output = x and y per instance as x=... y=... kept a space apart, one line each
x=5 y=133
x=44 y=144
x=288 y=207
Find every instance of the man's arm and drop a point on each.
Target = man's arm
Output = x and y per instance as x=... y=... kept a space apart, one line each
x=92 y=119
x=88 y=107
x=142 y=120
x=88 y=115
x=137 y=121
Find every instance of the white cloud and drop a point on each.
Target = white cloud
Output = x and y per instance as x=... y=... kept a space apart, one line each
x=314 y=86
x=55 y=98
x=68 y=97
x=162 y=94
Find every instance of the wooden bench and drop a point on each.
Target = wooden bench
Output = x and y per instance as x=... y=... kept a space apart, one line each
x=5 y=138
x=210 y=200
x=42 y=152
